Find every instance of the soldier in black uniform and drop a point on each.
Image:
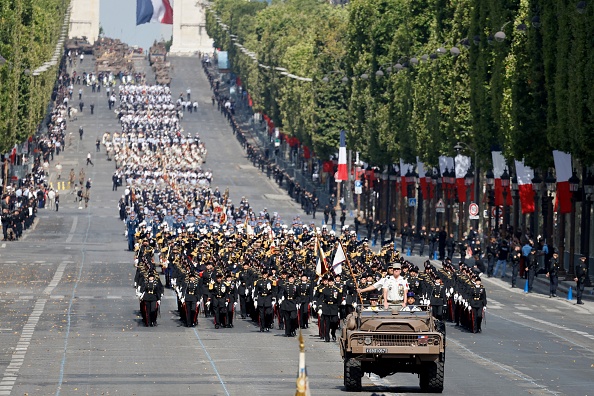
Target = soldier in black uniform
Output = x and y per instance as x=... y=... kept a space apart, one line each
x=553 y=274
x=218 y=298
x=231 y=300
x=245 y=279
x=207 y=281
x=438 y=299
x=151 y=293
x=191 y=294
x=263 y=294
x=304 y=291
x=331 y=298
x=516 y=255
x=581 y=273
x=478 y=302
x=289 y=300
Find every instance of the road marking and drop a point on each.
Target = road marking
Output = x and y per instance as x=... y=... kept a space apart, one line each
x=211 y=362
x=72 y=229
x=56 y=279
x=16 y=361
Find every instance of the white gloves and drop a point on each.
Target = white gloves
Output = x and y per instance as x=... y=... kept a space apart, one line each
x=174 y=282
x=246 y=291
x=343 y=302
x=451 y=290
x=273 y=301
x=313 y=306
x=354 y=305
x=141 y=296
x=320 y=312
x=298 y=306
x=235 y=304
x=226 y=303
x=268 y=286
x=183 y=300
x=255 y=304
x=158 y=302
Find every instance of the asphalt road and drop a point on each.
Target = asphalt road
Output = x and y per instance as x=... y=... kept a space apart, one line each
x=69 y=320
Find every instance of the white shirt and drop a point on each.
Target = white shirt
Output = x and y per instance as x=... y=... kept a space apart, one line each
x=397 y=288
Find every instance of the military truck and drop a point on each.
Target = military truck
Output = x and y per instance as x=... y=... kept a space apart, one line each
x=393 y=341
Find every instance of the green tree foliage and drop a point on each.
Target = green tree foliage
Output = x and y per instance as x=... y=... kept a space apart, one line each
x=29 y=30
x=405 y=94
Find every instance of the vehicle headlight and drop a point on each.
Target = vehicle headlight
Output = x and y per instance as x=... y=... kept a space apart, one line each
x=367 y=340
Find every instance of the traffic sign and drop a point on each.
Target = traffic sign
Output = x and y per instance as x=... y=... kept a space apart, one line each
x=358 y=187
x=473 y=209
x=412 y=202
x=440 y=206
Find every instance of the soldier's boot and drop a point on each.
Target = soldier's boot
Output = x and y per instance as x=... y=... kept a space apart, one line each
x=478 y=324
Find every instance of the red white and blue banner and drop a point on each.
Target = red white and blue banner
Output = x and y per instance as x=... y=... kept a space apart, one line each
x=563 y=171
x=525 y=174
x=159 y=11
x=342 y=173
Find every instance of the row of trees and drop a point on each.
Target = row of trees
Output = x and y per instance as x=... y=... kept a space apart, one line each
x=29 y=30
x=402 y=97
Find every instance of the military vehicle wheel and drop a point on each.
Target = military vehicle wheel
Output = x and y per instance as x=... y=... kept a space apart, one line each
x=431 y=378
x=352 y=375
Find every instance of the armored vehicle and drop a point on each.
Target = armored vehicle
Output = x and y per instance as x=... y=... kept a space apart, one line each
x=393 y=341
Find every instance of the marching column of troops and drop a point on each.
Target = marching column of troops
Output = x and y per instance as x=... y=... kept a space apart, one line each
x=222 y=259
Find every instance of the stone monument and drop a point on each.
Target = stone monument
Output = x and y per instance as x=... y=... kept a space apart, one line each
x=189 y=28
x=84 y=20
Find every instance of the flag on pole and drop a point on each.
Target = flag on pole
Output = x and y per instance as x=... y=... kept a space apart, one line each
x=525 y=175
x=159 y=11
x=563 y=171
x=498 y=169
x=339 y=258
x=321 y=267
x=342 y=174
x=461 y=166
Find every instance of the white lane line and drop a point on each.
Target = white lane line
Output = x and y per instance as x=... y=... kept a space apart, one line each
x=564 y=328
x=72 y=229
x=10 y=373
x=56 y=279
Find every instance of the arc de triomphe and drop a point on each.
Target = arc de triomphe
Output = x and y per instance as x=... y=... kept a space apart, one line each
x=189 y=25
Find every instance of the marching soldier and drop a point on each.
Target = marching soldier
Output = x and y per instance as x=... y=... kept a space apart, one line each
x=331 y=297
x=304 y=291
x=244 y=280
x=218 y=293
x=478 y=303
x=231 y=299
x=531 y=265
x=263 y=294
x=289 y=304
x=191 y=293
x=151 y=293
x=438 y=300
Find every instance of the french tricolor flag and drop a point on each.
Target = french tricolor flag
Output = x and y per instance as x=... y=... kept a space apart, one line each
x=342 y=173
x=563 y=171
x=525 y=175
x=159 y=11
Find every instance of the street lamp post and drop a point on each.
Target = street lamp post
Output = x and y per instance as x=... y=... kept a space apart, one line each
x=551 y=185
x=450 y=181
x=490 y=182
x=589 y=193
x=392 y=177
x=516 y=195
x=409 y=178
x=574 y=185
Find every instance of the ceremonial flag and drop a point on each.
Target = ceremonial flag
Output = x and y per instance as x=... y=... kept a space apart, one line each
x=339 y=258
x=159 y=11
x=321 y=267
x=461 y=166
x=422 y=179
x=563 y=171
x=342 y=173
x=525 y=176
x=498 y=169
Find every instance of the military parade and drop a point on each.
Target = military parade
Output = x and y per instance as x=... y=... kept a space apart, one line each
x=297 y=202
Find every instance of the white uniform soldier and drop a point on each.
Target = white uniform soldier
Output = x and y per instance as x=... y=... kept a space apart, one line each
x=395 y=288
